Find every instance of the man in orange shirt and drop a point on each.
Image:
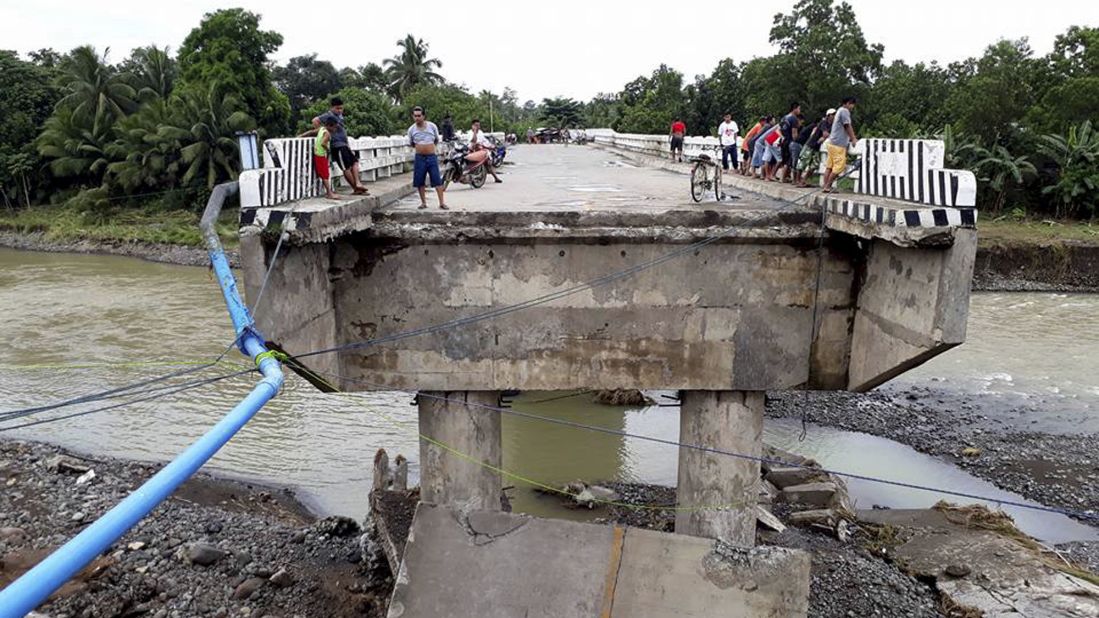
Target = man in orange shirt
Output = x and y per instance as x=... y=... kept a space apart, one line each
x=678 y=131
x=746 y=155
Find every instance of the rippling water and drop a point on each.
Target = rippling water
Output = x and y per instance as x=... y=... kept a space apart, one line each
x=60 y=309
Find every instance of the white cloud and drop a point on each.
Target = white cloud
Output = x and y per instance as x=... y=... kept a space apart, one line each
x=569 y=48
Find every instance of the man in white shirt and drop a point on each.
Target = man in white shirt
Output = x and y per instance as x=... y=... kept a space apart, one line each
x=727 y=133
x=481 y=147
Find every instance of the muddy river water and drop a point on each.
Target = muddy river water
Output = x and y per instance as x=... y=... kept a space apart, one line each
x=71 y=324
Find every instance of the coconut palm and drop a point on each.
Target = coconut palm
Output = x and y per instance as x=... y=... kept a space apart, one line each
x=152 y=73
x=205 y=123
x=76 y=151
x=410 y=68
x=997 y=167
x=145 y=158
x=1077 y=159
x=95 y=92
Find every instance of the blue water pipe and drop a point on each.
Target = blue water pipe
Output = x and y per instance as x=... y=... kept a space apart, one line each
x=36 y=585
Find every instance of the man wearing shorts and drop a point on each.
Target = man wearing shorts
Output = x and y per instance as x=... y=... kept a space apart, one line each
x=320 y=157
x=678 y=131
x=340 y=151
x=423 y=136
x=842 y=138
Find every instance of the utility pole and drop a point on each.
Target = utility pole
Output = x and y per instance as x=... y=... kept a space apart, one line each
x=491 y=123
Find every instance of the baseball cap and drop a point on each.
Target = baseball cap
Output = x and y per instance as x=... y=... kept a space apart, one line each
x=831 y=110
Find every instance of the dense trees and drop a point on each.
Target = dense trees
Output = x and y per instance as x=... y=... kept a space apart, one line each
x=79 y=128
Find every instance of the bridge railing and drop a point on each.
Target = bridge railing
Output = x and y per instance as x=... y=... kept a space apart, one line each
x=904 y=169
x=288 y=175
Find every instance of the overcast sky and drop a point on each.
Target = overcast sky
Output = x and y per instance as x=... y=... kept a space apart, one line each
x=543 y=48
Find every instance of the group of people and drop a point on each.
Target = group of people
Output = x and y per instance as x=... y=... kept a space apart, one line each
x=786 y=150
x=330 y=143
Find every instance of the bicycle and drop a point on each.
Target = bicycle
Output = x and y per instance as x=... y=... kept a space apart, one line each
x=705 y=174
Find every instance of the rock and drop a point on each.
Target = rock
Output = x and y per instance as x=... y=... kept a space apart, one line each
x=79 y=516
x=767 y=493
x=203 y=554
x=247 y=588
x=957 y=570
x=971 y=451
x=136 y=545
x=87 y=477
x=282 y=579
x=768 y=519
x=338 y=526
x=842 y=531
x=812 y=494
x=787 y=477
x=298 y=537
x=9 y=535
x=64 y=464
x=825 y=517
x=242 y=559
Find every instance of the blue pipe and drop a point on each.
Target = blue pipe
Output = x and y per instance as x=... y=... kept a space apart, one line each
x=36 y=585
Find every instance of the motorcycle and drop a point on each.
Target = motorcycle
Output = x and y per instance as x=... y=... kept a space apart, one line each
x=498 y=153
x=461 y=170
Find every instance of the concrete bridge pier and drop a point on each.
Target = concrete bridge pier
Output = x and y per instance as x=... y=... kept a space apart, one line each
x=463 y=436
x=721 y=491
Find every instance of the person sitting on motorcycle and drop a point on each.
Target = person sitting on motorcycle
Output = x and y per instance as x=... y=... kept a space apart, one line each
x=480 y=149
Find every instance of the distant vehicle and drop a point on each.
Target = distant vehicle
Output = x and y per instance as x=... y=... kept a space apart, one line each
x=549 y=135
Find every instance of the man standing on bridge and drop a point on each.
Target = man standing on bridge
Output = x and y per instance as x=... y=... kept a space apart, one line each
x=678 y=131
x=842 y=137
x=339 y=148
x=423 y=136
x=727 y=133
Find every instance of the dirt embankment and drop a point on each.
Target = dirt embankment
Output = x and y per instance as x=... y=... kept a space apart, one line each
x=154 y=252
x=1066 y=266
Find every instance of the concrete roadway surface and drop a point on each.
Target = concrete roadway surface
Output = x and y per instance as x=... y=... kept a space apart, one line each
x=554 y=177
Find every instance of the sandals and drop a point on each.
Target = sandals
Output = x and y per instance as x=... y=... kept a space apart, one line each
x=444 y=207
x=361 y=191
x=422 y=206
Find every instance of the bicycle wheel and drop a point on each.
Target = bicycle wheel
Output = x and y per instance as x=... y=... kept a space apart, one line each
x=717 y=183
x=699 y=181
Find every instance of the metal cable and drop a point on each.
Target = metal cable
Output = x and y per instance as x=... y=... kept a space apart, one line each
x=169 y=391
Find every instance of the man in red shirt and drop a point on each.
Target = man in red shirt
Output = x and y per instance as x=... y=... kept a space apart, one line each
x=678 y=131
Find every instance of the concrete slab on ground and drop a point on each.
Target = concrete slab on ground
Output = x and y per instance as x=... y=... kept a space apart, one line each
x=490 y=564
x=985 y=569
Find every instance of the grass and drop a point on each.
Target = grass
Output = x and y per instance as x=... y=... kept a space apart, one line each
x=143 y=225
x=1005 y=231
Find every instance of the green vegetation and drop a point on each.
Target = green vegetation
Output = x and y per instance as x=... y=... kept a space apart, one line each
x=89 y=143
x=141 y=225
x=1022 y=123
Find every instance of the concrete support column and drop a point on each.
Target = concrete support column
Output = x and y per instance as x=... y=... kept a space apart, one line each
x=447 y=478
x=730 y=421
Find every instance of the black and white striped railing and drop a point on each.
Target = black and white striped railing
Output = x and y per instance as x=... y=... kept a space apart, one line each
x=907 y=170
x=912 y=170
x=288 y=174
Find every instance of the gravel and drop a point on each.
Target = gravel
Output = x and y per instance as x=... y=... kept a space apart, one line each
x=1055 y=469
x=846 y=579
x=217 y=548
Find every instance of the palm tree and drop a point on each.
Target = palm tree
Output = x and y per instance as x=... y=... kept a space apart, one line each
x=1077 y=159
x=410 y=68
x=153 y=73
x=144 y=157
x=76 y=151
x=204 y=124
x=95 y=91
x=997 y=166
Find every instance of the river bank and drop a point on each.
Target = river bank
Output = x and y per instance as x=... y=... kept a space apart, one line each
x=1054 y=469
x=217 y=547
